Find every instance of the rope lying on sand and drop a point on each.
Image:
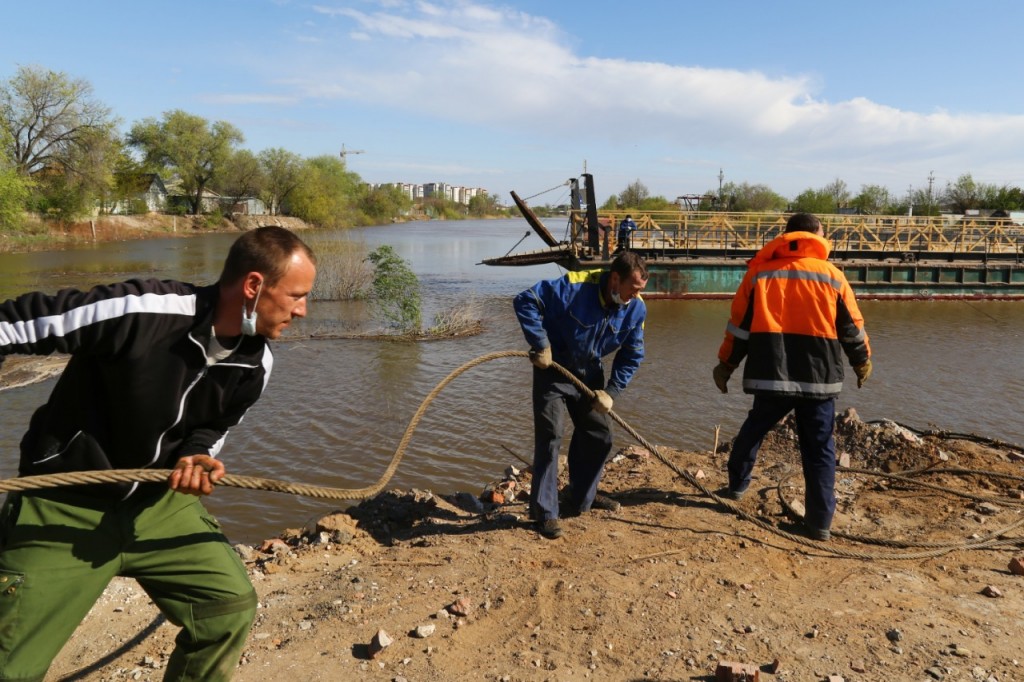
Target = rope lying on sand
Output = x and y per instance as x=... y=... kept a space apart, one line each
x=996 y=539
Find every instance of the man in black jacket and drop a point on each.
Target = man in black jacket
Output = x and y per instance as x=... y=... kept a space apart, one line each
x=159 y=372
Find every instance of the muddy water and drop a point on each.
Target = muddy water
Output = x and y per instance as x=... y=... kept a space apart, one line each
x=335 y=410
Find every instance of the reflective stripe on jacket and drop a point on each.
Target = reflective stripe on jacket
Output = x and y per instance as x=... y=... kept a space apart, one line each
x=138 y=391
x=570 y=315
x=792 y=318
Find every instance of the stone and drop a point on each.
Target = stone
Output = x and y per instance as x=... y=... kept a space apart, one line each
x=424 y=631
x=1016 y=565
x=245 y=552
x=380 y=641
x=460 y=607
x=992 y=591
x=730 y=671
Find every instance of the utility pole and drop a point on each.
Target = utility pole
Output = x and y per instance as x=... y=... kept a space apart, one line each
x=931 y=179
x=910 y=200
x=346 y=152
x=721 y=176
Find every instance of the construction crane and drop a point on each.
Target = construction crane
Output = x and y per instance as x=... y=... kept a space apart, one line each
x=346 y=152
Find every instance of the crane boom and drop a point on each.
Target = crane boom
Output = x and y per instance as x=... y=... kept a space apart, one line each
x=345 y=152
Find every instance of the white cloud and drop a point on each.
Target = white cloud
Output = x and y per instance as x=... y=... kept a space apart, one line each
x=498 y=68
x=247 y=98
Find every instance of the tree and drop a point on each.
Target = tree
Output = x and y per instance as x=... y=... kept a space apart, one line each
x=1006 y=198
x=396 y=290
x=327 y=195
x=241 y=176
x=14 y=191
x=963 y=195
x=873 y=199
x=814 y=201
x=51 y=121
x=282 y=173
x=745 y=197
x=483 y=205
x=634 y=195
x=187 y=146
x=383 y=204
x=840 y=194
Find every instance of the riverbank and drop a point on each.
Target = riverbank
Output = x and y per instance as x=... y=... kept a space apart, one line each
x=669 y=588
x=38 y=235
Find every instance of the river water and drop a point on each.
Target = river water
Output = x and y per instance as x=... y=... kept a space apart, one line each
x=335 y=409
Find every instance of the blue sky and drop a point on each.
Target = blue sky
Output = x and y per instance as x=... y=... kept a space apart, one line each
x=520 y=95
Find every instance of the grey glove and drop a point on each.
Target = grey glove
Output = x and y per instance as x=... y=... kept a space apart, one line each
x=602 y=402
x=721 y=374
x=541 y=359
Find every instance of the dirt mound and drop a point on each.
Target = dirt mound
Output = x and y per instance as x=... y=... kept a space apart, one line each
x=667 y=588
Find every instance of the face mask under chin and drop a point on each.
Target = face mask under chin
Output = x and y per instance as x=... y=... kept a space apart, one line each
x=616 y=299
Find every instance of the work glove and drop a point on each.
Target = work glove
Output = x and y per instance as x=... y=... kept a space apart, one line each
x=721 y=374
x=862 y=372
x=602 y=402
x=541 y=359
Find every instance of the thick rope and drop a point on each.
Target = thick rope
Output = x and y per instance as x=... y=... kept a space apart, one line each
x=330 y=493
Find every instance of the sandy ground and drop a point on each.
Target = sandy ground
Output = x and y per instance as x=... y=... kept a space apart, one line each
x=668 y=588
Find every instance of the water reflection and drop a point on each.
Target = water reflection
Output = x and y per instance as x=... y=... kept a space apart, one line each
x=334 y=410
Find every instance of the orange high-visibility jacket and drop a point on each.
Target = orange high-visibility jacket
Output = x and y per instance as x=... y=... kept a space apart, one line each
x=793 y=317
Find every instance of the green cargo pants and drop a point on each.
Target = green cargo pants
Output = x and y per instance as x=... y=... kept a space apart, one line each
x=59 y=552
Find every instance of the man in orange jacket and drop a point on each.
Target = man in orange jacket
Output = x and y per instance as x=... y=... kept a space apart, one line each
x=792 y=318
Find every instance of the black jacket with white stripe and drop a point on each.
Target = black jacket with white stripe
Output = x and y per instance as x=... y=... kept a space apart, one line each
x=138 y=391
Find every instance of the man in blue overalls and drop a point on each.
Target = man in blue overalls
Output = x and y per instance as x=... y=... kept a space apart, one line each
x=626 y=228
x=577 y=320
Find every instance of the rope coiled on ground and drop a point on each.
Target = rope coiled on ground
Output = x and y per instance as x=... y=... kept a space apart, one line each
x=995 y=539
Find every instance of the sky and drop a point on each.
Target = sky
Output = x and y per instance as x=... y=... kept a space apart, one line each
x=525 y=94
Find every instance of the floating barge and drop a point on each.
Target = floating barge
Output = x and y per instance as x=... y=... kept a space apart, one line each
x=703 y=255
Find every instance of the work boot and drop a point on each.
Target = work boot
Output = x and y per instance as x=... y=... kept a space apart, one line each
x=606 y=503
x=729 y=494
x=822 y=534
x=551 y=529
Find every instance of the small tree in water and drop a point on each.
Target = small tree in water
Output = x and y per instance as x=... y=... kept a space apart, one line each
x=396 y=290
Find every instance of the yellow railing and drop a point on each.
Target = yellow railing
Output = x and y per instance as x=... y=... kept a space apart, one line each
x=696 y=229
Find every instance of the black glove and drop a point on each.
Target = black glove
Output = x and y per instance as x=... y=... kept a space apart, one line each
x=721 y=374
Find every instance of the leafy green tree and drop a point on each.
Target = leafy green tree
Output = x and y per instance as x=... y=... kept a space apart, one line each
x=484 y=205
x=55 y=132
x=444 y=209
x=1006 y=198
x=327 y=195
x=839 y=192
x=873 y=199
x=396 y=290
x=817 y=201
x=384 y=204
x=634 y=195
x=242 y=175
x=187 y=146
x=282 y=173
x=744 y=197
x=14 y=191
x=963 y=195
x=51 y=121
